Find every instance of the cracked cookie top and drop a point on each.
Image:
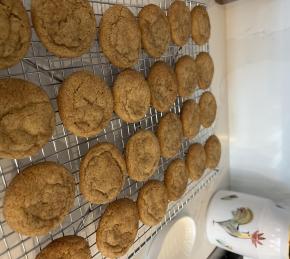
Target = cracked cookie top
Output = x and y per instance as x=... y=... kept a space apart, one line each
x=155 y=30
x=163 y=86
x=15 y=32
x=131 y=96
x=142 y=155
x=102 y=173
x=180 y=22
x=152 y=202
x=175 y=179
x=72 y=247
x=26 y=118
x=39 y=198
x=85 y=104
x=67 y=28
x=120 y=36
x=117 y=228
x=170 y=135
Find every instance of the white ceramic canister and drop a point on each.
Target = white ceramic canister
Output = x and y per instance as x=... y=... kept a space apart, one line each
x=248 y=225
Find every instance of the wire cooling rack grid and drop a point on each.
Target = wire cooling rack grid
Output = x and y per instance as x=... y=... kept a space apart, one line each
x=48 y=71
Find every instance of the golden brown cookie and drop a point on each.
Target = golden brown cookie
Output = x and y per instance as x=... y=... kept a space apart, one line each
x=85 y=104
x=102 y=173
x=26 y=118
x=212 y=149
x=120 y=36
x=200 y=25
x=67 y=28
x=195 y=161
x=142 y=155
x=15 y=33
x=175 y=179
x=170 y=135
x=39 y=198
x=152 y=202
x=186 y=74
x=205 y=70
x=131 y=96
x=180 y=22
x=163 y=86
x=117 y=228
x=70 y=247
x=190 y=118
x=207 y=109
x=155 y=30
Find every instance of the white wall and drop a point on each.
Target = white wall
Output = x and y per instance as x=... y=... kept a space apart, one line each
x=258 y=66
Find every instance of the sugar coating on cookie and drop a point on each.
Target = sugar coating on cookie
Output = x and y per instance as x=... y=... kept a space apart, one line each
x=27 y=119
x=152 y=202
x=175 y=179
x=190 y=118
x=213 y=151
x=205 y=70
x=15 y=33
x=195 y=161
x=163 y=86
x=120 y=36
x=117 y=228
x=200 y=25
x=180 y=22
x=142 y=155
x=67 y=28
x=186 y=74
x=207 y=108
x=131 y=96
x=155 y=30
x=39 y=198
x=101 y=173
x=170 y=135
x=73 y=247
x=85 y=104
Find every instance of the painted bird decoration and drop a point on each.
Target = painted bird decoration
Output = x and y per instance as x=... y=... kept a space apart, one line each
x=241 y=216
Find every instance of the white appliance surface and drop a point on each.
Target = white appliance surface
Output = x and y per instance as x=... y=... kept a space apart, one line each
x=258 y=73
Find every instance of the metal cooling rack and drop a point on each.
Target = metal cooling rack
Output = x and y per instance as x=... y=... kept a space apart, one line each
x=48 y=71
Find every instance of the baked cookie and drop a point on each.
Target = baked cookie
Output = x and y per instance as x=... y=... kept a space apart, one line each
x=117 y=228
x=67 y=28
x=195 y=161
x=175 y=179
x=205 y=70
x=155 y=30
x=163 y=86
x=170 y=135
x=200 y=25
x=186 y=74
x=207 y=108
x=73 y=247
x=120 y=36
x=39 y=198
x=212 y=149
x=102 y=173
x=26 y=118
x=131 y=96
x=142 y=155
x=180 y=22
x=15 y=33
x=190 y=118
x=152 y=202
x=85 y=104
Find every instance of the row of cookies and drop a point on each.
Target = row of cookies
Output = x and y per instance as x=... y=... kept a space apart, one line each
x=68 y=29
x=150 y=207
x=86 y=103
x=38 y=198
